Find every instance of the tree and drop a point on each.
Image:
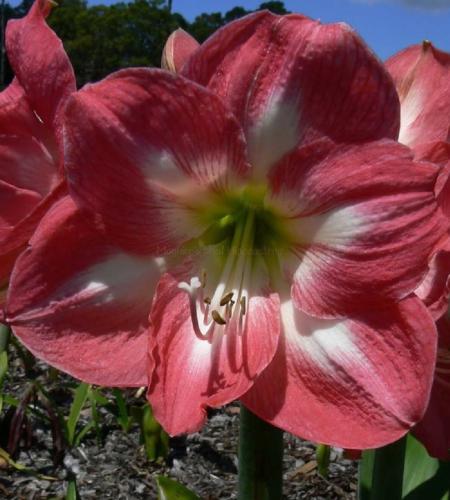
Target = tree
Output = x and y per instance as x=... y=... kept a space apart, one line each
x=275 y=7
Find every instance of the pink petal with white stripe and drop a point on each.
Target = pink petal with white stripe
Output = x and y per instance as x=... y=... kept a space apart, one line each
x=192 y=373
x=291 y=80
x=422 y=77
x=363 y=222
x=174 y=144
x=86 y=311
x=354 y=383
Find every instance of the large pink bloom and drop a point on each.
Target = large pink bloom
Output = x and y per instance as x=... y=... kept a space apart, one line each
x=255 y=235
x=422 y=77
x=30 y=127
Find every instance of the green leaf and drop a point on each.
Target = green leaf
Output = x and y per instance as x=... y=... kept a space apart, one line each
x=80 y=435
x=323 y=459
x=365 y=474
x=72 y=490
x=156 y=440
x=3 y=366
x=79 y=400
x=3 y=370
x=122 y=412
x=169 y=489
x=425 y=477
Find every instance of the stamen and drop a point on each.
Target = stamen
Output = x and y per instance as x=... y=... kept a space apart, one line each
x=218 y=318
x=243 y=304
x=202 y=331
x=226 y=298
x=203 y=280
x=207 y=300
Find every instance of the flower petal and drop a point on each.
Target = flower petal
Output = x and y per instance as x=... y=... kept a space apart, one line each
x=434 y=429
x=364 y=219
x=291 y=80
x=434 y=290
x=177 y=50
x=40 y=63
x=81 y=304
x=356 y=383
x=15 y=204
x=216 y=371
x=422 y=77
x=173 y=142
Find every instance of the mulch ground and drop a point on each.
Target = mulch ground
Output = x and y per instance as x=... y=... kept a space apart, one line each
x=116 y=467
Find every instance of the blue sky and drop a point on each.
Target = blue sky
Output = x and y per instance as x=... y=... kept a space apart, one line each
x=387 y=26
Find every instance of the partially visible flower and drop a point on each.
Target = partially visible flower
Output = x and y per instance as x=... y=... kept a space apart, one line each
x=177 y=50
x=31 y=175
x=258 y=235
x=434 y=429
x=422 y=77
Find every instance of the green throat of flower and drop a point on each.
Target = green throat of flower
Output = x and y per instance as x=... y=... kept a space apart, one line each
x=240 y=251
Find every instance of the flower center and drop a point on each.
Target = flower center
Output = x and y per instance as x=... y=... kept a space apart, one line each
x=245 y=238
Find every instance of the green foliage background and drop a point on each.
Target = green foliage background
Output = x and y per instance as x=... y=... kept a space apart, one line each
x=100 y=39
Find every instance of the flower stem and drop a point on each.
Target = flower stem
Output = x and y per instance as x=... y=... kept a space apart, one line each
x=388 y=465
x=4 y=337
x=260 y=459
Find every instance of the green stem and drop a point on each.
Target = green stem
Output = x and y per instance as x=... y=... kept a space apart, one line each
x=4 y=337
x=387 y=478
x=260 y=459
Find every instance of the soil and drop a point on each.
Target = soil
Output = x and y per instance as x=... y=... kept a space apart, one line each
x=115 y=466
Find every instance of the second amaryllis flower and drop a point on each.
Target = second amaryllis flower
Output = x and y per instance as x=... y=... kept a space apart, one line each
x=256 y=236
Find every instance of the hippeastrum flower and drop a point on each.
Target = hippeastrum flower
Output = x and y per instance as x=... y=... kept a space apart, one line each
x=30 y=127
x=422 y=77
x=255 y=235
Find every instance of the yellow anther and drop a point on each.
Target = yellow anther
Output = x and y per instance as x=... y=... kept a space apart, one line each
x=243 y=303
x=218 y=318
x=226 y=298
x=203 y=280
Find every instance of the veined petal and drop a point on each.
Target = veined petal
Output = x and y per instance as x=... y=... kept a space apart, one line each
x=358 y=383
x=15 y=204
x=434 y=290
x=40 y=63
x=291 y=80
x=80 y=304
x=434 y=429
x=173 y=142
x=25 y=163
x=364 y=221
x=188 y=373
x=177 y=50
x=422 y=77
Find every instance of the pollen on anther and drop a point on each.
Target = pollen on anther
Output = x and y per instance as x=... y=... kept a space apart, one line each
x=218 y=318
x=243 y=303
x=226 y=298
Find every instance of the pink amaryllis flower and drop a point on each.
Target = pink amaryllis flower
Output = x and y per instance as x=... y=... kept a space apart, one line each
x=254 y=235
x=422 y=76
x=31 y=177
